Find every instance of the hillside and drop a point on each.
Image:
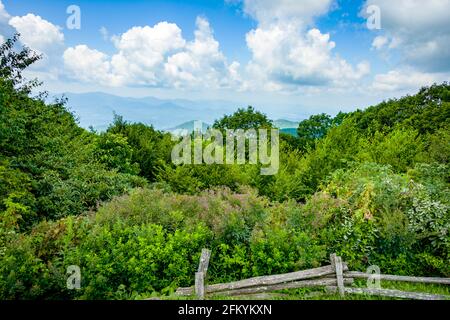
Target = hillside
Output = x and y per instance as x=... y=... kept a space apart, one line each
x=372 y=186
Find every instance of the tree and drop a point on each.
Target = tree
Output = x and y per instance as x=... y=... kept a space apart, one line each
x=114 y=152
x=49 y=166
x=244 y=119
x=313 y=129
x=428 y=111
x=12 y=63
x=150 y=148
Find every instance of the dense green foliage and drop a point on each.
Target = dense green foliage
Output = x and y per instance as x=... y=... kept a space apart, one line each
x=315 y=128
x=244 y=119
x=49 y=166
x=150 y=149
x=372 y=186
x=151 y=240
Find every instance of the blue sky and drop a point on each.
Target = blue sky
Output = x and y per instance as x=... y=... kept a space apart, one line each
x=229 y=21
x=118 y=16
x=287 y=57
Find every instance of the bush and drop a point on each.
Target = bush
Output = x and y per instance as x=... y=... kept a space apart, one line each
x=386 y=218
x=133 y=246
x=148 y=242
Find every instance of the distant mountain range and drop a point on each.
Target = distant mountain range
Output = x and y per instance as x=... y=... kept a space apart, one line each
x=285 y=124
x=97 y=110
x=188 y=127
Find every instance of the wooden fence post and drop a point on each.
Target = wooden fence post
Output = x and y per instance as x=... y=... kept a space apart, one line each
x=204 y=261
x=200 y=285
x=200 y=275
x=336 y=262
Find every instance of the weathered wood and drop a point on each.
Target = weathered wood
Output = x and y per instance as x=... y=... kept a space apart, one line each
x=200 y=285
x=265 y=280
x=336 y=263
x=283 y=286
x=356 y=274
x=204 y=261
x=397 y=294
x=200 y=275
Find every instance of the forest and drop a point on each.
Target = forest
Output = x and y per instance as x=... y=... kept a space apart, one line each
x=370 y=185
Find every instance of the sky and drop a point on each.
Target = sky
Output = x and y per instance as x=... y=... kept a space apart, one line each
x=287 y=58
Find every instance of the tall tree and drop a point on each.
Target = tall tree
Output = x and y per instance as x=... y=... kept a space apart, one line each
x=244 y=119
x=316 y=127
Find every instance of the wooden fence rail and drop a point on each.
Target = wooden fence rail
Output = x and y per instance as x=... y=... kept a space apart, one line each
x=391 y=293
x=334 y=278
x=264 y=280
x=356 y=274
x=283 y=286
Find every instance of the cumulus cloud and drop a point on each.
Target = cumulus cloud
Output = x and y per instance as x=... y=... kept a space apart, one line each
x=201 y=62
x=142 y=52
x=37 y=33
x=89 y=65
x=41 y=36
x=419 y=29
x=44 y=38
x=284 y=57
x=405 y=79
x=155 y=56
x=287 y=55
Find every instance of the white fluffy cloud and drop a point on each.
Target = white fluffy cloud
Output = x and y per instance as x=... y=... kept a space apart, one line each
x=37 y=33
x=89 y=65
x=155 y=56
x=287 y=52
x=419 y=29
x=405 y=79
x=44 y=38
x=420 y=32
x=286 y=58
x=287 y=55
x=142 y=52
x=201 y=62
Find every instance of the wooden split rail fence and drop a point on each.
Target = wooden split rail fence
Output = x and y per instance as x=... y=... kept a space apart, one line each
x=335 y=278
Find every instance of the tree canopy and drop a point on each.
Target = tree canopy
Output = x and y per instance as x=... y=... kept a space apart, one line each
x=244 y=119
